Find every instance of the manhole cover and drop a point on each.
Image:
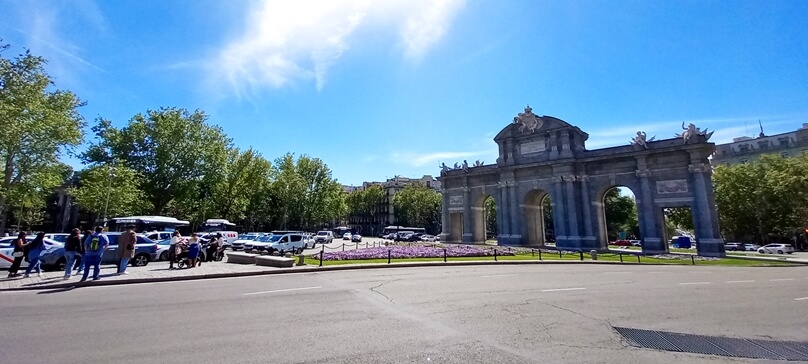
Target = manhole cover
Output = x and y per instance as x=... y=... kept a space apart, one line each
x=715 y=345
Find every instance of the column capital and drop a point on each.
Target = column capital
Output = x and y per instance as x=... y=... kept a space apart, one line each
x=643 y=173
x=556 y=179
x=699 y=168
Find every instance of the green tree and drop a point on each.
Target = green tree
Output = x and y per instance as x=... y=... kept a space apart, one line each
x=621 y=214
x=418 y=206
x=366 y=202
x=491 y=217
x=39 y=124
x=306 y=195
x=173 y=149
x=680 y=217
x=242 y=177
x=109 y=189
x=762 y=198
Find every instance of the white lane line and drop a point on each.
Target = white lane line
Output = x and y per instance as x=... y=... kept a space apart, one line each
x=693 y=283
x=801 y=299
x=749 y=281
x=617 y=273
x=655 y=272
x=704 y=272
x=781 y=279
x=499 y=275
x=282 y=290
x=563 y=289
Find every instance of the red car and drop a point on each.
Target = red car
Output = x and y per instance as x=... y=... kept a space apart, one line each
x=621 y=243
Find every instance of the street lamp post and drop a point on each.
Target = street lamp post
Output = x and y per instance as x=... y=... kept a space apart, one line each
x=109 y=189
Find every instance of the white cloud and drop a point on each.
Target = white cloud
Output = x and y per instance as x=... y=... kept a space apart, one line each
x=423 y=159
x=287 y=41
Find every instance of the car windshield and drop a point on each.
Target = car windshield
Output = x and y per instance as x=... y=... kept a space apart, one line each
x=322 y=233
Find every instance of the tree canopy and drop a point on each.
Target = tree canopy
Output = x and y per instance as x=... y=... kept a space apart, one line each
x=418 y=206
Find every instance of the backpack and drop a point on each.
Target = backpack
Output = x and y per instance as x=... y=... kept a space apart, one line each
x=95 y=244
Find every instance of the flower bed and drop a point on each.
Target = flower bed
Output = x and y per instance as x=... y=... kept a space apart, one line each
x=415 y=251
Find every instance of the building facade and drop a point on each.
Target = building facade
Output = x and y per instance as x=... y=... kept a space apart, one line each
x=746 y=149
x=384 y=214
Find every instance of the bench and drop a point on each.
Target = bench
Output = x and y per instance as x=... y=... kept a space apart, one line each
x=240 y=258
x=273 y=261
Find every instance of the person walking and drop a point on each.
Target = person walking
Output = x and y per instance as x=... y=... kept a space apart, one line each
x=94 y=248
x=213 y=247
x=18 y=254
x=73 y=248
x=80 y=260
x=193 y=250
x=35 y=250
x=172 y=248
x=126 y=250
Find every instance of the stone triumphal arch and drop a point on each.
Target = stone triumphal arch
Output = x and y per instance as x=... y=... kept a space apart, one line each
x=545 y=156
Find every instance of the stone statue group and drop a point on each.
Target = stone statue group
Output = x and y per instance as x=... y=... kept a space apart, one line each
x=688 y=135
x=465 y=166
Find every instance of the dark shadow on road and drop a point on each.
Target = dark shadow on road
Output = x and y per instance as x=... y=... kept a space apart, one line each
x=57 y=290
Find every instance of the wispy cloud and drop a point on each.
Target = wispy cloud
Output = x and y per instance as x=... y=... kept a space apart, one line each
x=285 y=41
x=58 y=49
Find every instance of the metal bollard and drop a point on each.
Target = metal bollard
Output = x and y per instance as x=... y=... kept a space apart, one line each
x=495 y=254
x=343 y=246
x=532 y=252
x=581 y=252
x=621 y=257
x=693 y=260
x=444 y=255
x=539 y=254
x=559 y=254
x=638 y=258
x=322 y=250
x=388 y=255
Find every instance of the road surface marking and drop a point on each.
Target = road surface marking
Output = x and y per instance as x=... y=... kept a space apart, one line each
x=499 y=275
x=691 y=283
x=655 y=272
x=705 y=272
x=282 y=290
x=563 y=289
x=801 y=299
x=617 y=273
x=781 y=279
x=749 y=281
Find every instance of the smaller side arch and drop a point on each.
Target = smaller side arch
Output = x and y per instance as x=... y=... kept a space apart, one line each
x=534 y=214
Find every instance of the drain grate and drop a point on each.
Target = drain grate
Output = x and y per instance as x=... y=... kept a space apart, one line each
x=715 y=345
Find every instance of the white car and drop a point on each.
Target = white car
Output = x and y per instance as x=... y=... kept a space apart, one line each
x=346 y=236
x=58 y=237
x=429 y=238
x=776 y=248
x=356 y=238
x=7 y=249
x=281 y=243
x=244 y=239
x=751 y=247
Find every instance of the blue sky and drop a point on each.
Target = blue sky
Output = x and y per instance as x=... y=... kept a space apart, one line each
x=384 y=88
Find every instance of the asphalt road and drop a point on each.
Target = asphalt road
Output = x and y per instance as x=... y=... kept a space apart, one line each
x=484 y=314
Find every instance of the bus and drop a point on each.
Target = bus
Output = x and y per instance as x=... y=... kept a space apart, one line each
x=395 y=229
x=144 y=224
x=221 y=226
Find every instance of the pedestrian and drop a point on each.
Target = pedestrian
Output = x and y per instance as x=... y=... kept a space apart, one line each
x=35 y=249
x=18 y=254
x=213 y=247
x=172 y=248
x=94 y=248
x=80 y=261
x=193 y=250
x=126 y=249
x=73 y=247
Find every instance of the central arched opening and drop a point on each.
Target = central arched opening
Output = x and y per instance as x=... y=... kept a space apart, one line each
x=619 y=224
x=538 y=218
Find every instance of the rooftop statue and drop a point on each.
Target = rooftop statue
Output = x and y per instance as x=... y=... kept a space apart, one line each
x=691 y=131
x=640 y=139
x=528 y=121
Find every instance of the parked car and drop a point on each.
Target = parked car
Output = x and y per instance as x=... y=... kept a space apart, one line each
x=356 y=238
x=158 y=235
x=635 y=242
x=162 y=249
x=7 y=249
x=751 y=247
x=145 y=252
x=58 y=237
x=280 y=243
x=734 y=247
x=324 y=237
x=346 y=236
x=621 y=243
x=429 y=238
x=244 y=239
x=776 y=248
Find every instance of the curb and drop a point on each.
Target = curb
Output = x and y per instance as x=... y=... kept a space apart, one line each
x=316 y=269
x=297 y=269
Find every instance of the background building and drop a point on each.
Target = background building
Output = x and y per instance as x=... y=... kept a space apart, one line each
x=745 y=149
x=385 y=214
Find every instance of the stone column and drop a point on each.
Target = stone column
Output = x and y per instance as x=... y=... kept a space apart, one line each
x=513 y=207
x=566 y=150
x=708 y=239
x=586 y=201
x=446 y=230
x=503 y=215
x=559 y=214
x=649 y=231
x=468 y=219
x=573 y=235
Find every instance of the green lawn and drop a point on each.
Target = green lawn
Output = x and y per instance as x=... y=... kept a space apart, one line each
x=627 y=259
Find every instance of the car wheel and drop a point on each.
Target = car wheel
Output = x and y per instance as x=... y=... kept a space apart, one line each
x=761 y=251
x=779 y=252
x=140 y=260
x=59 y=266
x=164 y=255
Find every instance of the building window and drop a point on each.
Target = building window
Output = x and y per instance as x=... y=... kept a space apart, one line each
x=744 y=148
x=783 y=142
x=763 y=144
